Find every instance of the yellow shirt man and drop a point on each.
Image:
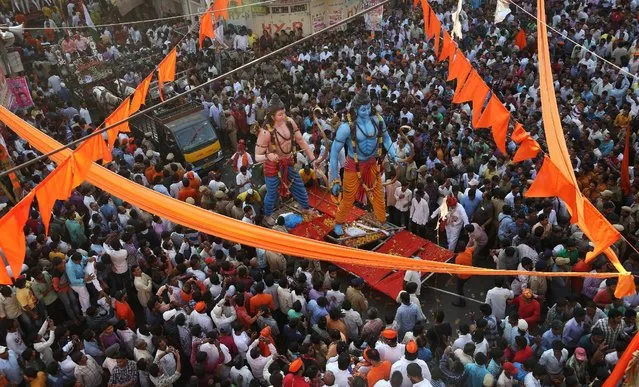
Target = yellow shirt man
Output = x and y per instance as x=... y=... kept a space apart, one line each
x=308 y=176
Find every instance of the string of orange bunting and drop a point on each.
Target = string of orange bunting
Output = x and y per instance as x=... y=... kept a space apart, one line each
x=487 y=112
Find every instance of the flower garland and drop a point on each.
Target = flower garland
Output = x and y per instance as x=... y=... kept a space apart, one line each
x=380 y=146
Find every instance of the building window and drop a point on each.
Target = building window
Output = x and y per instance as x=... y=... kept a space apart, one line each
x=298 y=8
x=276 y=10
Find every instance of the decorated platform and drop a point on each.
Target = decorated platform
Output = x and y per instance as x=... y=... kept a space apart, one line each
x=386 y=238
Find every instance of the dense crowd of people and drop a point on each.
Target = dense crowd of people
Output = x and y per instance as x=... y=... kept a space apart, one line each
x=113 y=295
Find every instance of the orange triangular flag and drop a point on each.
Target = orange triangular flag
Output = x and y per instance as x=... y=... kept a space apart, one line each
x=597 y=228
x=549 y=182
x=474 y=85
x=166 y=70
x=478 y=102
x=434 y=29
x=89 y=151
x=426 y=14
x=139 y=97
x=448 y=47
x=415 y=2
x=528 y=149
x=220 y=9
x=56 y=186
x=496 y=117
x=519 y=133
x=520 y=39
x=13 y=243
x=121 y=113
x=458 y=67
x=206 y=26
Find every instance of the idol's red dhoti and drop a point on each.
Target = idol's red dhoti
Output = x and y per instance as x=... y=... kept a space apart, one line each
x=352 y=189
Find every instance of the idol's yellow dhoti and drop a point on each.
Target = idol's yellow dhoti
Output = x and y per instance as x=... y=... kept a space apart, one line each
x=353 y=189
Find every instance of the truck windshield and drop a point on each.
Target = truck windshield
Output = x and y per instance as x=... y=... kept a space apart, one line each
x=192 y=132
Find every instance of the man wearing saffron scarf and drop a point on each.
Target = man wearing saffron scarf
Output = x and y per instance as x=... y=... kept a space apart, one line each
x=363 y=136
x=241 y=158
x=276 y=148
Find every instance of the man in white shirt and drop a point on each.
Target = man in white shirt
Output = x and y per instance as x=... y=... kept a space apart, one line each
x=198 y=316
x=497 y=297
x=415 y=376
x=243 y=180
x=340 y=369
x=410 y=357
x=256 y=361
x=240 y=42
x=464 y=337
x=403 y=198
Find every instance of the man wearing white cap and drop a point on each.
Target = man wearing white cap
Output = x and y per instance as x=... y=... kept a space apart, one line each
x=9 y=366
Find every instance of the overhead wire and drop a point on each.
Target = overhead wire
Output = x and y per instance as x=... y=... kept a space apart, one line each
x=144 y=21
x=196 y=88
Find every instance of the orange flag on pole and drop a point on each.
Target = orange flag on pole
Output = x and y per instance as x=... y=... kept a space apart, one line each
x=57 y=186
x=496 y=117
x=13 y=243
x=206 y=26
x=520 y=39
x=166 y=70
x=220 y=9
x=139 y=97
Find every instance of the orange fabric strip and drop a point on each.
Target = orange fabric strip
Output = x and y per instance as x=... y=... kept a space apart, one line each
x=56 y=186
x=620 y=368
x=496 y=117
x=166 y=70
x=13 y=243
x=206 y=27
x=139 y=97
x=550 y=113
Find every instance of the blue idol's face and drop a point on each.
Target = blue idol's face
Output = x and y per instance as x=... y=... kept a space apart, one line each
x=364 y=110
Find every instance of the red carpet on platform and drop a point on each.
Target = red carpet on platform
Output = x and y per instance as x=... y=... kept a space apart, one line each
x=316 y=229
x=433 y=252
x=403 y=244
x=324 y=202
